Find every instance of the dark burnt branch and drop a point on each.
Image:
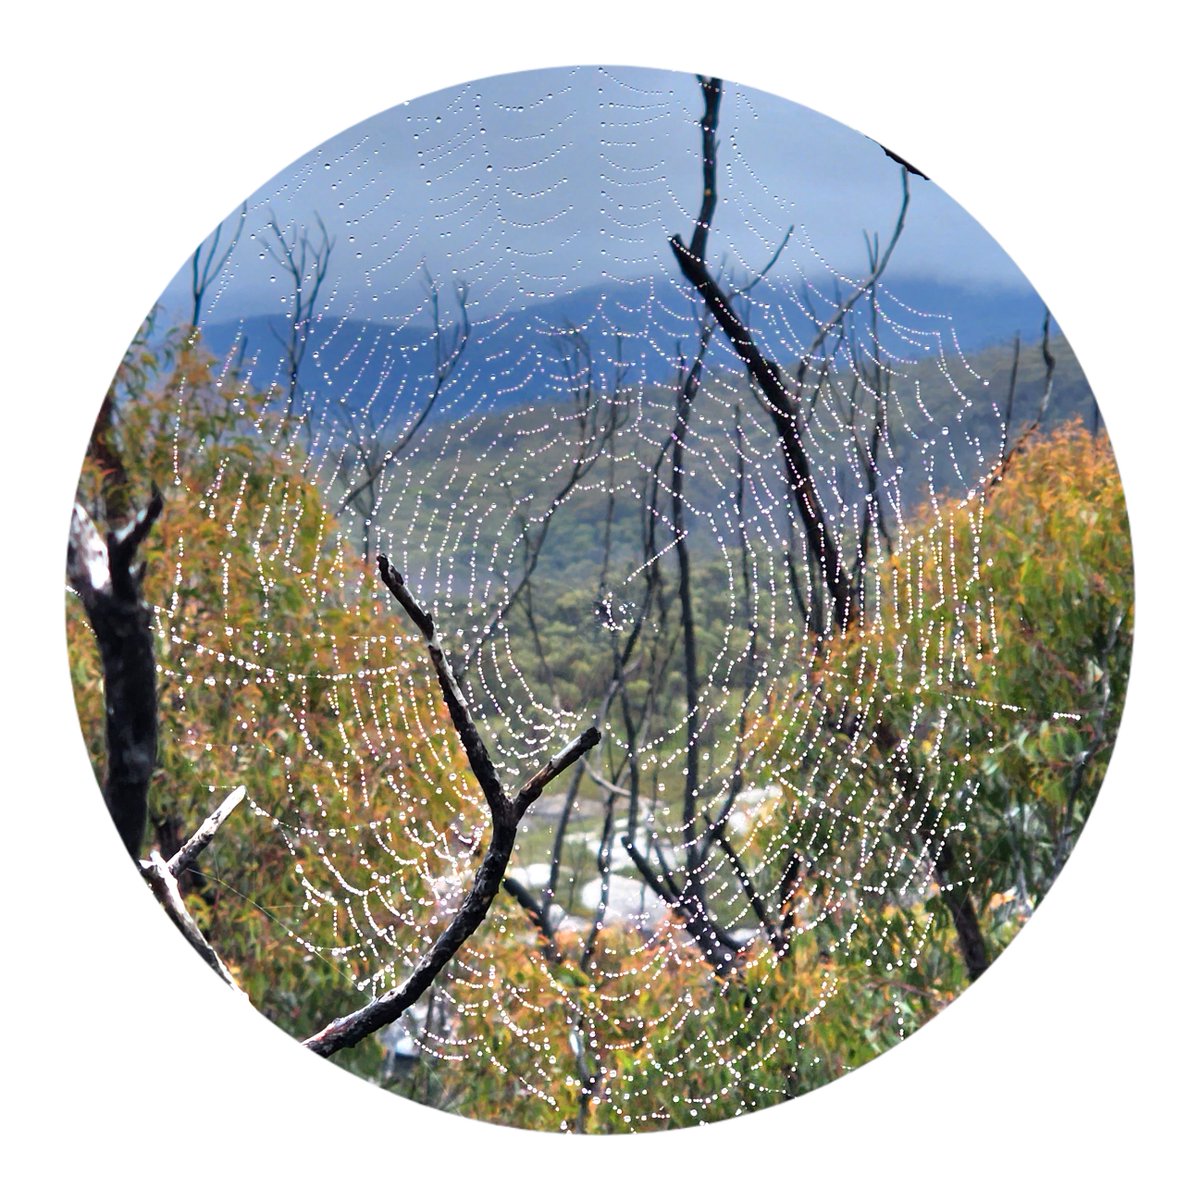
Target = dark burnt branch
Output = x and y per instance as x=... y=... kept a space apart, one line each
x=506 y=816
x=538 y=913
x=660 y=881
x=560 y=836
x=880 y=386
x=501 y=807
x=789 y=886
x=940 y=851
x=685 y=898
x=713 y=942
x=711 y=90
x=685 y=395
x=873 y=520
x=352 y=1028
x=1011 y=399
x=1018 y=447
x=812 y=614
x=655 y=657
x=784 y=401
x=570 y=753
x=737 y=777
x=903 y=162
x=747 y=885
x=781 y=405
x=958 y=900
x=101 y=571
x=468 y=734
x=780 y=401
x=1050 y=362
x=604 y=866
x=717 y=946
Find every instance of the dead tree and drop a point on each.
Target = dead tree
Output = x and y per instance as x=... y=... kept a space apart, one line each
x=1018 y=446
x=786 y=399
x=103 y=573
x=506 y=813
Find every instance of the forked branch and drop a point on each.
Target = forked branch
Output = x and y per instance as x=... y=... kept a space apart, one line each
x=781 y=397
x=163 y=878
x=506 y=816
x=772 y=383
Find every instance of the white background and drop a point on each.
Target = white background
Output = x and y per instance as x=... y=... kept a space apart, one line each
x=130 y=130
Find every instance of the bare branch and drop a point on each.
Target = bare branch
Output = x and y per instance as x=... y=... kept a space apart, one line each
x=165 y=886
x=468 y=734
x=538 y=913
x=349 y=1030
x=747 y=288
x=1011 y=400
x=711 y=90
x=747 y=886
x=783 y=402
x=781 y=406
x=204 y=276
x=447 y=359
x=691 y=788
x=200 y=840
x=570 y=753
x=902 y=161
x=293 y=256
x=878 y=265
x=1027 y=433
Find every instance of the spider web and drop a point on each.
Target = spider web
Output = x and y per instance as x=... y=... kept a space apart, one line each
x=512 y=440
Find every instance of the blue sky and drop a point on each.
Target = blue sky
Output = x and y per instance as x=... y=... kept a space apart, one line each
x=534 y=184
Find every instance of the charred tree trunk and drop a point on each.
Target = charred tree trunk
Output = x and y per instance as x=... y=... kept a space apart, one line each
x=102 y=572
x=781 y=402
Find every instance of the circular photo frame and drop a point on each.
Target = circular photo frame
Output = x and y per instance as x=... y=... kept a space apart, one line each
x=600 y=599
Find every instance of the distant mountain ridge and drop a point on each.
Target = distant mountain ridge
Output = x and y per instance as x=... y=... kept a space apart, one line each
x=382 y=370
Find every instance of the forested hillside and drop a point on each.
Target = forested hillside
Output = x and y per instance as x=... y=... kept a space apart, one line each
x=586 y=717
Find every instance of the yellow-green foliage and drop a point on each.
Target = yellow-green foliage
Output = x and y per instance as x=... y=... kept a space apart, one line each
x=997 y=657
x=281 y=670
